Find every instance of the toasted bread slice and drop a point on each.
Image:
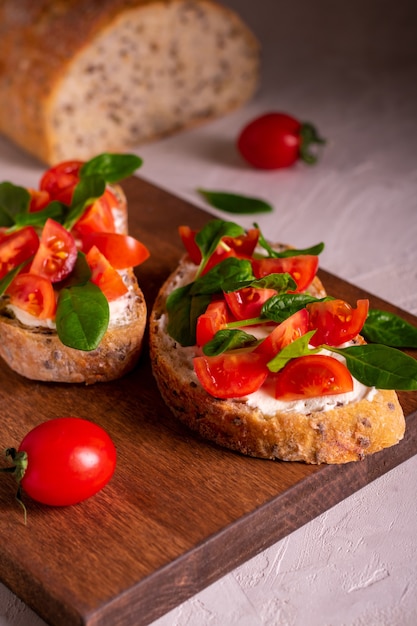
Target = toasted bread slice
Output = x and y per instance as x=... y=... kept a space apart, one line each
x=340 y=434
x=36 y=352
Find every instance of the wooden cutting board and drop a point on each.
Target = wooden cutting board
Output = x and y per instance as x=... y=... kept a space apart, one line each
x=179 y=512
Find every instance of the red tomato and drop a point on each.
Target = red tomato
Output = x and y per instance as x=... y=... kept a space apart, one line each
x=302 y=268
x=59 y=181
x=285 y=333
x=336 y=321
x=188 y=241
x=311 y=376
x=214 y=319
x=276 y=140
x=57 y=253
x=231 y=375
x=242 y=246
x=104 y=275
x=247 y=303
x=17 y=247
x=221 y=253
x=34 y=294
x=38 y=200
x=98 y=217
x=121 y=251
x=69 y=459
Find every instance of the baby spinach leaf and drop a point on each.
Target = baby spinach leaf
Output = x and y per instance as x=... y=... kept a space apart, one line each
x=298 y=347
x=226 y=339
x=183 y=310
x=85 y=193
x=54 y=210
x=82 y=316
x=13 y=200
x=235 y=203
x=389 y=329
x=380 y=366
x=288 y=252
x=111 y=167
x=208 y=238
x=80 y=274
x=280 y=307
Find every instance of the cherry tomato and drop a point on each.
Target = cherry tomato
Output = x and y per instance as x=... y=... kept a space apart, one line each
x=231 y=375
x=17 y=247
x=247 y=303
x=98 y=217
x=121 y=251
x=214 y=319
x=38 y=200
x=276 y=140
x=285 y=333
x=69 y=459
x=57 y=252
x=104 y=275
x=59 y=181
x=302 y=268
x=34 y=294
x=311 y=376
x=336 y=321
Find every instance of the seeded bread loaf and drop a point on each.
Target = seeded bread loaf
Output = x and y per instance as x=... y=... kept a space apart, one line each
x=80 y=78
x=37 y=353
x=344 y=433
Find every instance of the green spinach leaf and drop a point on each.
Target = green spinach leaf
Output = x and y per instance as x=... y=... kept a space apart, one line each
x=225 y=340
x=389 y=329
x=111 y=167
x=235 y=203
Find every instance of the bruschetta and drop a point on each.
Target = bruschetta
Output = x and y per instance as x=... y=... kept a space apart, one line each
x=71 y=309
x=249 y=351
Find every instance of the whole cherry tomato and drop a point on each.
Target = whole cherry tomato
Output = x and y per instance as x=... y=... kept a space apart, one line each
x=276 y=140
x=63 y=461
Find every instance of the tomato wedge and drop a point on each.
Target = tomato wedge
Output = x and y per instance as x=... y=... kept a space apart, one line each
x=285 y=333
x=302 y=268
x=336 y=321
x=244 y=245
x=231 y=375
x=188 y=241
x=121 y=251
x=214 y=319
x=38 y=200
x=59 y=181
x=240 y=247
x=57 y=253
x=17 y=247
x=312 y=376
x=104 y=275
x=98 y=217
x=247 y=303
x=34 y=294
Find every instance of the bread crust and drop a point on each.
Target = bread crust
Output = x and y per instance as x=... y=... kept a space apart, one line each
x=340 y=435
x=38 y=354
x=44 y=77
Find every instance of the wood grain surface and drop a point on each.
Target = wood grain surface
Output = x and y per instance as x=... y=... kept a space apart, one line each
x=179 y=512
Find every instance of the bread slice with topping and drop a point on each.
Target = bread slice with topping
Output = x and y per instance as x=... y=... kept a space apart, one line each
x=32 y=347
x=334 y=428
x=79 y=78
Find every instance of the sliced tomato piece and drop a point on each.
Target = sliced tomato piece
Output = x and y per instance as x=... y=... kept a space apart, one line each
x=247 y=303
x=98 y=217
x=214 y=319
x=221 y=253
x=104 y=275
x=34 y=294
x=244 y=245
x=121 y=251
x=59 y=181
x=57 y=253
x=336 y=321
x=188 y=241
x=285 y=333
x=312 y=376
x=231 y=375
x=17 y=247
x=302 y=268
x=38 y=200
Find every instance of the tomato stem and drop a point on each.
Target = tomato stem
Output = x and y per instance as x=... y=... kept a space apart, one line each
x=308 y=137
x=18 y=470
